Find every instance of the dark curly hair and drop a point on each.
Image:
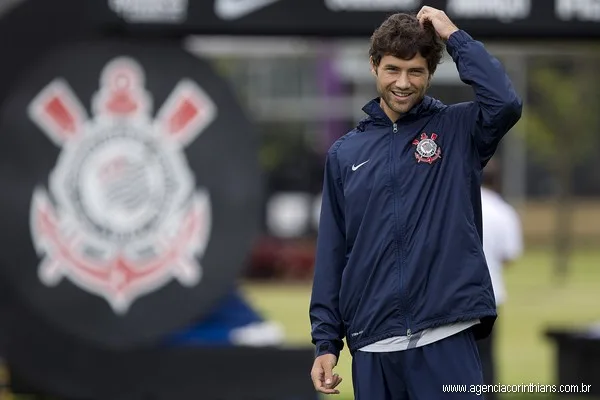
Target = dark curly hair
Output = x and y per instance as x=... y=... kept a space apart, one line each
x=402 y=36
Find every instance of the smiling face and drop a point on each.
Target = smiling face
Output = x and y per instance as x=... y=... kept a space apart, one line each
x=401 y=83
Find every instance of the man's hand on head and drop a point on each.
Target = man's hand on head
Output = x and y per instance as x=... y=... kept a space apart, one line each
x=440 y=21
x=324 y=380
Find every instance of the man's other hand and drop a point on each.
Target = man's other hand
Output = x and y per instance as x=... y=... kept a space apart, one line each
x=440 y=21
x=324 y=380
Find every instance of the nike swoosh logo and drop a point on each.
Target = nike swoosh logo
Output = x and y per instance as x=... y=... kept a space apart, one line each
x=355 y=167
x=235 y=9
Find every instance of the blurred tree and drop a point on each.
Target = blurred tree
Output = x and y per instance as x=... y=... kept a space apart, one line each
x=561 y=126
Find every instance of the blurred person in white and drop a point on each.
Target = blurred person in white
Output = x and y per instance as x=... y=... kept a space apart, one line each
x=502 y=245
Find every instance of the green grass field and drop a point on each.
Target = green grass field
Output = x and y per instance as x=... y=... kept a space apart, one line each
x=536 y=301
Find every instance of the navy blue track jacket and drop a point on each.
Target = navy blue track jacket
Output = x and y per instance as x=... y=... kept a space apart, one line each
x=399 y=248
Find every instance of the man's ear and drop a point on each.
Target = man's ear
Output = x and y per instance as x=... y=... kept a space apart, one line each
x=373 y=67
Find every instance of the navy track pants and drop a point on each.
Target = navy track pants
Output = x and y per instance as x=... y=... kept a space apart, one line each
x=447 y=369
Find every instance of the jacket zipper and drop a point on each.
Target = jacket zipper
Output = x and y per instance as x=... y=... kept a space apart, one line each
x=401 y=243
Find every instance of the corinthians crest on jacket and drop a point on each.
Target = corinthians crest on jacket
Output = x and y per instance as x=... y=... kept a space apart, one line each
x=427 y=149
x=122 y=216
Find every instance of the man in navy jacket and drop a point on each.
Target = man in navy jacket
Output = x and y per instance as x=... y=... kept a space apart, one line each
x=400 y=271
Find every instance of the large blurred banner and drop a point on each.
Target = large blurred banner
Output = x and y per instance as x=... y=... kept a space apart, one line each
x=490 y=18
x=131 y=198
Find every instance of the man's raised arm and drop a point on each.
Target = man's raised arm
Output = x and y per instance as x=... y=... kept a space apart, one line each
x=497 y=107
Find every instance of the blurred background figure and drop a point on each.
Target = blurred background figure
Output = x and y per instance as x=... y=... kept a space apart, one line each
x=233 y=322
x=502 y=244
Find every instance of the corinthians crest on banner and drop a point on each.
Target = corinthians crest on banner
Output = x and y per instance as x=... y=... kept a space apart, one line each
x=122 y=215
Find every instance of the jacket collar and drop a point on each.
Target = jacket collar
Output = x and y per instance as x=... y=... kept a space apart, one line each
x=374 y=110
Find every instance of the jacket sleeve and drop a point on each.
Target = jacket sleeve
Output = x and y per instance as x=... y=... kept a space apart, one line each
x=497 y=107
x=326 y=321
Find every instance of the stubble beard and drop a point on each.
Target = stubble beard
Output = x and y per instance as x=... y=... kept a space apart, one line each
x=401 y=109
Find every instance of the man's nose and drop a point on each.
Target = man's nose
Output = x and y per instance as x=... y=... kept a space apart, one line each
x=402 y=82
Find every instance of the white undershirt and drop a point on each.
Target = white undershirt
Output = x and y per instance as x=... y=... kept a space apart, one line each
x=418 y=339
